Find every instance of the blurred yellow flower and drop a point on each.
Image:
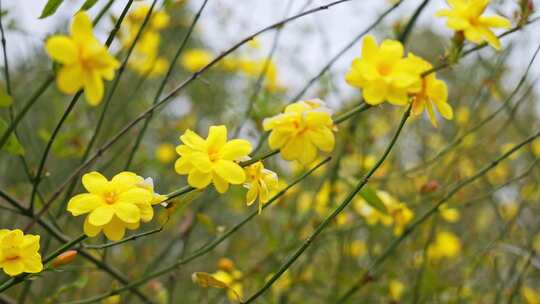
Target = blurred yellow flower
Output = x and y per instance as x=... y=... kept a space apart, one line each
x=231 y=277
x=530 y=295
x=195 y=59
x=446 y=245
x=213 y=159
x=85 y=61
x=398 y=213
x=396 y=288
x=165 y=153
x=466 y=16
x=535 y=145
x=113 y=205
x=433 y=92
x=116 y=299
x=260 y=182
x=158 y=21
x=383 y=74
x=19 y=252
x=253 y=68
x=304 y=127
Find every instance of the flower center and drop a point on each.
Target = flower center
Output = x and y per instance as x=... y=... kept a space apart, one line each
x=384 y=69
x=12 y=258
x=213 y=155
x=110 y=198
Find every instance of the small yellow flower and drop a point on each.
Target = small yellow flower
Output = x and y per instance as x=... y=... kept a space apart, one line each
x=253 y=68
x=446 y=245
x=466 y=16
x=19 y=252
x=213 y=159
x=260 y=182
x=399 y=215
x=195 y=59
x=396 y=288
x=231 y=277
x=433 y=92
x=304 y=127
x=114 y=205
x=158 y=21
x=383 y=74
x=165 y=153
x=85 y=61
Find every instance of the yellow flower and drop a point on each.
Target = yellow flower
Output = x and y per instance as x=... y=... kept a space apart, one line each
x=260 y=182
x=450 y=215
x=433 y=92
x=398 y=213
x=231 y=278
x=165 y=153
x=304 y=127
x=212 y=160
x=383 y=74
x=396 y=289
x=529 y=295
x=253 y=68
x=195 y=59
x=158 y=21
x=114 y=205
x=19 y=252
x=85 y=61
x=466 y=16
x=446 y=245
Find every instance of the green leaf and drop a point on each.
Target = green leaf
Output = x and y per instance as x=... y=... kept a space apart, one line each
x=5 y=98
x=88 y=5
x=12 y=146
x=371 y=197
x=50 y=8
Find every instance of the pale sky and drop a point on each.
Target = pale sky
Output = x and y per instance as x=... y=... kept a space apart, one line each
x=224 y=22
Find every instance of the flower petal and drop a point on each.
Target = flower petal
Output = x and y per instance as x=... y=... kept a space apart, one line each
x=93 y=88
x=114 y=230
x=81 y=27
x=89 y=229
x=217 y=137
x=95 y=183
x=69 y=79
x=126 y=212
x=84 y=203
x=221 y=185
x=236 y=149
x=101 y=215
x=230 y=171
x=136 y=195
x=62 y=49
x=199 y=179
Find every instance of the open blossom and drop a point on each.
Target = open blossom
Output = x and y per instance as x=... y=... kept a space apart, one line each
x=260 y=182
x=300 y=130
x=123 y=202
x=466 y=16
x=85 y=61
x=19 y=252
x=383 y=74
x=433 y=92
x=212 y=160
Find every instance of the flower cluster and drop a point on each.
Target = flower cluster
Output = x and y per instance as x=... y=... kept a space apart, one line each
x=19 y=252
x=145 y=59
x=112 y=206
x=445 y=245
x=385 y=74
x=85 y=61
x=466 y=17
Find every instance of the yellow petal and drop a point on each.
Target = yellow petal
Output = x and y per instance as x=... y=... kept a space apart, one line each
x=81 y=27
x=230 y=171
x=146 y=211
x=369 y=48
x=91 y=230
x=252 y=193
x=93 y=88
x=95 y=183
x=183 y=166
x=199 y=179
x=375 y=92
x=136 y=195
x=193 y=140
x=235 y=149
x=101 y=215
x=221 y=185
x=128 y=213
x=69 y=79
x=217 y=136
x=277 y=139
x=496 y=21
x=62 y=49
x=125 y=180
x=323 y=138
x=32 y=263
x=114 y=230
x=13 y=267
x=84 y=203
